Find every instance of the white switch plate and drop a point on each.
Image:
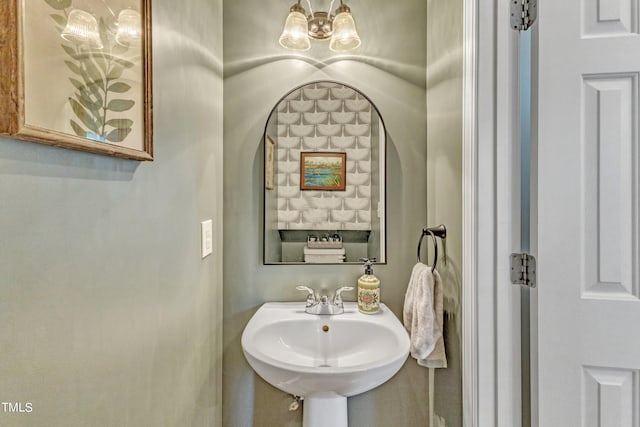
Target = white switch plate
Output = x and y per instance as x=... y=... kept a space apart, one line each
x=207 y=237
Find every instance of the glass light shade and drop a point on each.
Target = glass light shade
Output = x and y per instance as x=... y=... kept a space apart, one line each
x=82 y=28
x=295 y=33
x=129 y=27
x=345 y=36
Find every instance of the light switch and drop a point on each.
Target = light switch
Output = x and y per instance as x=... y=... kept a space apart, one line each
x=207 y=237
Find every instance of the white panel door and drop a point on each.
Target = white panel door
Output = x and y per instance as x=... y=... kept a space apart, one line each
x=588 y=229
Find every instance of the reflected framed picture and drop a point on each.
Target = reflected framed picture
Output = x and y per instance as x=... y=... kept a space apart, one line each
x=324 y=171
x=269 y=160
x=77 y=74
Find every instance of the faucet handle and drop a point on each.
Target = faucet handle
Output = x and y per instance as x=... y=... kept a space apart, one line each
x=337 y=297
x=311 y=296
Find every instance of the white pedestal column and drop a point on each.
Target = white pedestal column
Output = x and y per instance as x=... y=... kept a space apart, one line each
x=324 y=410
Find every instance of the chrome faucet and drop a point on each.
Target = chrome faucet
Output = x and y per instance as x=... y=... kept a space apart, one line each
x=322 y=305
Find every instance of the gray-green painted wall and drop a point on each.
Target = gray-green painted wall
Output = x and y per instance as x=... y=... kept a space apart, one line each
x=108 y=314
x=390 y=68
x=444 y=189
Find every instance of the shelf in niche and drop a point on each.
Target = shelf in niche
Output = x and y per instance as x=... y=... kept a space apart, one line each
x=348 y=236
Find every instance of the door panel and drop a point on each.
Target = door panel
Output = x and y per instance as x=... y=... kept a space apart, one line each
x=610 y=397
x=609 y=202
x=587 y=234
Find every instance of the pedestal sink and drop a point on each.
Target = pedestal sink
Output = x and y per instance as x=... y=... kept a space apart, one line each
x=324 y=358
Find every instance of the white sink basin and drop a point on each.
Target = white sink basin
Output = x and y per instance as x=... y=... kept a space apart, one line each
x=324 y=358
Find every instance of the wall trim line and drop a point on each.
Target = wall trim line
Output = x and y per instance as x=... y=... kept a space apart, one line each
x=469 y=217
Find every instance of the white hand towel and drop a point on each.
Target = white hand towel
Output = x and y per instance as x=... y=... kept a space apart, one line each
x=423 y=317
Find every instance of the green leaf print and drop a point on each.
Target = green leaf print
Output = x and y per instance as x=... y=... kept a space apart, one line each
x=120 y=105
x=59 y=4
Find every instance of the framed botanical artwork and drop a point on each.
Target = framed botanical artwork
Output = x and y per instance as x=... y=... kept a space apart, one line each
x=269 y=161
x=77 y=74
x=323 y=171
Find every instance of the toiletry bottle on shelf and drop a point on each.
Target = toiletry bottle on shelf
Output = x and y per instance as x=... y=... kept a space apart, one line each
x=368 y=289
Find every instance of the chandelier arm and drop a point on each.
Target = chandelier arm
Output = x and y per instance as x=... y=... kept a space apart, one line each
x=310 y=8
x=331 y=7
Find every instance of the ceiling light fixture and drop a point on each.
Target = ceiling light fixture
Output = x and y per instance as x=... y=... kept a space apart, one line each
x=340 y=28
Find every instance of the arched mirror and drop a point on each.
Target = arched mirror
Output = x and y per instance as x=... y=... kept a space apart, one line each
x=324 y=177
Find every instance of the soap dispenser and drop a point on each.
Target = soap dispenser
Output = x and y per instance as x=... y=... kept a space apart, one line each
x=368 y=289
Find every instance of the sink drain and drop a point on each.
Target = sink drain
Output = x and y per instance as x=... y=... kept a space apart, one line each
x=325 y=328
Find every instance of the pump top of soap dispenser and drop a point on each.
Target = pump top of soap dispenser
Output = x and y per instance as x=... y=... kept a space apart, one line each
x=368 y=267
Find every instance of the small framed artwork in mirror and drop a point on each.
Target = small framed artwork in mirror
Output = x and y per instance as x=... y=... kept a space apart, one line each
x=324 y=171
x=269 y=155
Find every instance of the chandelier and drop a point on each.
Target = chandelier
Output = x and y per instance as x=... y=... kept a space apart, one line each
x=339 y=28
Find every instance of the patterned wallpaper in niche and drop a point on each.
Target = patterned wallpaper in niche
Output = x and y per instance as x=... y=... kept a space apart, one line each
x=326 y=117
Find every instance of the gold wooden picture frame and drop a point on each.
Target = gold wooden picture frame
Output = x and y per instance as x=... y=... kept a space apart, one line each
x=269 y=163
x=323 y=171
x=77 y=74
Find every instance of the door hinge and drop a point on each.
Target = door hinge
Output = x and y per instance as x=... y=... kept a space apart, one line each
x=523 y=270
x=523 y=14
